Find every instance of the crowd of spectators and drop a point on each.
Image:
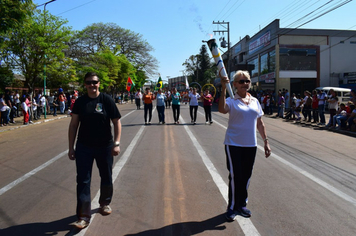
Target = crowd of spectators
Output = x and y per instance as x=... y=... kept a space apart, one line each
x=311 y=108
x=13 y=104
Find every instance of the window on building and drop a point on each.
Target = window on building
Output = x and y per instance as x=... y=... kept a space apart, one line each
x=268 y=62
x=297 y=59
x=253 y=67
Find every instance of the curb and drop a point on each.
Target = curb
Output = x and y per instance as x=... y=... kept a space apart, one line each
x=35 y=123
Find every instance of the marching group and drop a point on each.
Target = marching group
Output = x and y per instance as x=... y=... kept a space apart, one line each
x=13 y=105
x=312 y=106
x=168 y=97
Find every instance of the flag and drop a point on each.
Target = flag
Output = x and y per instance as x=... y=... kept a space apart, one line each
x=159 y=84
x=186 y=83
x=130 y=84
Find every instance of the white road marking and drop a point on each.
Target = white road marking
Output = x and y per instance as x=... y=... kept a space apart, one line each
x=116 y=170
x=34 y=171
x=246 y=224
x=308 y=175
x=29 y=174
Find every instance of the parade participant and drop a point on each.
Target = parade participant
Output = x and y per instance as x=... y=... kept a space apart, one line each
x=208 y=102
x=241 y=141
x=148 y=97
x=161 y=98
x=93 y=112
x=175 y=105
x=168 y=96
x=138 y=97
x=193 y=105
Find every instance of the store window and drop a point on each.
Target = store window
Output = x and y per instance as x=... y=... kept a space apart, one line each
x=253 y=66
x=268 y=62
x=297 y=58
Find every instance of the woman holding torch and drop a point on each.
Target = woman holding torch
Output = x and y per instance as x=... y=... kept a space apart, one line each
x=245 y=116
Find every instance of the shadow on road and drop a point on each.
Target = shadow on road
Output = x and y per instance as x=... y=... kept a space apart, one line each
x=44 y=228
x=187 y=228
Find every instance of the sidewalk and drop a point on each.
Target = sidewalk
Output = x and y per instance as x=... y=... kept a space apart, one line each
x=19 y=122
x=314 y=125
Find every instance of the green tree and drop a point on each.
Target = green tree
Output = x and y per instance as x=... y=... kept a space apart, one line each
x=12 y=15
x=41 y=40
x=99 y=36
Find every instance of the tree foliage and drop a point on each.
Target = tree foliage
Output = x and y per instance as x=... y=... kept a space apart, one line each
x=40 y=41
x=125 y=51
x=200 y=67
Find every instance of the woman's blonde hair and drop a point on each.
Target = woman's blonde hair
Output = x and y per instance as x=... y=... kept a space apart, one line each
x=241 y=73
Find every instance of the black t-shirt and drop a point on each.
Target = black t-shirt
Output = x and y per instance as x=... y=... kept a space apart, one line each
x=94 y=116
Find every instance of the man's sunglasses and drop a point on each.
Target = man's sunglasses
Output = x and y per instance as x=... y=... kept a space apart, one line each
x=243 y=81
x=91 y=82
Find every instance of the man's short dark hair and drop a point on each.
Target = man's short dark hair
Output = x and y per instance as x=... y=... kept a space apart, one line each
x=90 y=74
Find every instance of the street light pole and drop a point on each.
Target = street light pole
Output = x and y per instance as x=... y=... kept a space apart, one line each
x=45 y=57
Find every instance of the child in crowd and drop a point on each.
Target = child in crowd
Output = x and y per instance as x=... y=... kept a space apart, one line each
x=25 y=111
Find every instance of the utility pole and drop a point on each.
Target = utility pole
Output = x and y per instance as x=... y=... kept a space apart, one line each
x=45 y=58
x=226 y=26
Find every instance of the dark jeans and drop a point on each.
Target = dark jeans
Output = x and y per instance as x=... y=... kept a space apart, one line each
x=138 y=103
x=160 y=111
x=176 y=112
x=207 y=110
x=332 y=112
x=307 y=112
x=321 y=113
x=240 y=161
x=148 y=108
x=4 y=117
x=84 y=159
x=193 y=112
x=315 y=115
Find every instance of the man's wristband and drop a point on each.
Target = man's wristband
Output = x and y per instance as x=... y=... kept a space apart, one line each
x=116 y=144
x=266 y=139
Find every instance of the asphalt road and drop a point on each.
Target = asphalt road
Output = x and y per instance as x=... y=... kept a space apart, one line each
x=172 y=180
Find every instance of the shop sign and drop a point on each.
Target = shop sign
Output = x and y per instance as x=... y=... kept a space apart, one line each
x=350 y=75
x=268 y=76
x=269 y=81
x=259 y=43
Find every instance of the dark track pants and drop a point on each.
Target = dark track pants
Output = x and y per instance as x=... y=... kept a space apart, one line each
x=148 y=108
x=193 y=113
x=176 y=112
x=240 y=161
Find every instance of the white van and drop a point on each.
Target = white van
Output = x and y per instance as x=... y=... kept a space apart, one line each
x=344 y=94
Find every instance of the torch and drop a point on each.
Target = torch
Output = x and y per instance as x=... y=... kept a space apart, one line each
x=219 y=63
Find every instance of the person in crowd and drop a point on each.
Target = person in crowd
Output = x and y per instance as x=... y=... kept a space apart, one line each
x=17 y=102
x=42 y=105
x=193 y=105
x=161 y=98
x=298 y=107
x=281 y=104
x=207 y=103
x=50 y=103
x=267 y=102
x=353 y=96
x=29 y=104
x=245 y=116
x=176 y=98
x=92 y=113
x=4 y=111
x=339 y=117
x=307 y=105
x=333 y=102
x=35 y=107
x=8 y=102
x=351 y=121
x=25 y=111
x=321 y=106
x=315 y=107
x=138 y=97
x=55 y=105
x=287 y=99
x=169 y=99
x=62 y=102
x=271 y=104
x=148 y=97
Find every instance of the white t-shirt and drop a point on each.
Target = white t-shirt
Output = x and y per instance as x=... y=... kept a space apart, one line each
x=194 y=99
x=321 y=96
x=43 y=101
x=242 y=124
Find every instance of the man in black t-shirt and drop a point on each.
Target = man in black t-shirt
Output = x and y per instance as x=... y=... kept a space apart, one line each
x=92 y=113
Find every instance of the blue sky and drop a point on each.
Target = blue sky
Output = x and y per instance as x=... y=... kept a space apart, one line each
x=175 y=29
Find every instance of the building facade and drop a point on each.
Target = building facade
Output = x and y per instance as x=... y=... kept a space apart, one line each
x=296 y=59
